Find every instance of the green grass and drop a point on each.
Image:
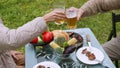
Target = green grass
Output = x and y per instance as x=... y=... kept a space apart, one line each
x=15 y=13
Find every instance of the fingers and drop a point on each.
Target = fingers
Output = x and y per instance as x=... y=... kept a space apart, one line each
x=73 y=9
x=15 y=53
x=80 y=13
x=55 y=14
x=14 y=56
x=59 y=15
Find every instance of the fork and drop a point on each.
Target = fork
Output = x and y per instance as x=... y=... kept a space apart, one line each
x=88 y=41
x=90 y=46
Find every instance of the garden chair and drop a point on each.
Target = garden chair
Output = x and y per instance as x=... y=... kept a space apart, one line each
x=115 y=19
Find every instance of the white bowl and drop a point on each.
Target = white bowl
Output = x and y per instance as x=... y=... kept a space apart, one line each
x=47 y=64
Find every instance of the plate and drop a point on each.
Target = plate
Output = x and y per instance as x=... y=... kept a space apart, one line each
x=76 y=35
x=47 y=64
x=79 y=38
x=83 y=58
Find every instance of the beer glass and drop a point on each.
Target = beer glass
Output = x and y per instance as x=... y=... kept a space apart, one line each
x=61 y=7
x=71 y=19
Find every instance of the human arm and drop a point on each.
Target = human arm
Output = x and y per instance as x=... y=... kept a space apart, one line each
x=95 y=6
x=15 y=38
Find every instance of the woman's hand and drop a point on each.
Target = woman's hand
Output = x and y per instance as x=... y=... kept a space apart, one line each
x=53 y=15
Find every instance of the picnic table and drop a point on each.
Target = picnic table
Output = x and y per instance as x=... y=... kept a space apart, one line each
x=32 y=54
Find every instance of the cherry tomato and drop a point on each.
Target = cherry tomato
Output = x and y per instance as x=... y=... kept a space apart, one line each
x=34 y=41
x=47 y=36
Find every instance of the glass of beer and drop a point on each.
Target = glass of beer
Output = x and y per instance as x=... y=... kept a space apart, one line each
x=61 y=7
x=71 y=19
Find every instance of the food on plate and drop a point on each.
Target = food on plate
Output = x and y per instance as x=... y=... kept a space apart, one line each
x=84 y=51
x=37 y=41
x=47 y=64
x=70 y=47
x=78 y=37
x=34 y=41
x=60 y=33
x=75 y=35
x=66 y=50
x=54 y=45
x=72 y=41
x=45 y=38
x=60 y=40
x=89 y=54
x=67 y=41
x=60 y=37
x=41 y=66
x=69 y=50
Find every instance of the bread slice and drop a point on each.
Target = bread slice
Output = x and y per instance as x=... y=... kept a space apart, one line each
x=60 y=33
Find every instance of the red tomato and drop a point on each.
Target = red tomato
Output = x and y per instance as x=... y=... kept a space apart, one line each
x=47 y=36
x=34 y=41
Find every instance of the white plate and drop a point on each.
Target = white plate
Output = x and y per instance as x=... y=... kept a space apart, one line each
x=83 y=58
x=47 y=64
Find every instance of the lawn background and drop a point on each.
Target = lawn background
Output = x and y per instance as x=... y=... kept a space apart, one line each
x=15 y=13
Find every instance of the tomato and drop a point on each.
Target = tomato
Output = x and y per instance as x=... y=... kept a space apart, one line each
x=47 y=36
x=34 y=41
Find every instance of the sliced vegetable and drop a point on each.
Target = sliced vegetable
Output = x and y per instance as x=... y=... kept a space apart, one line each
x=72 y=41
x=56 y=48
x=69 y=50
x=54 y=45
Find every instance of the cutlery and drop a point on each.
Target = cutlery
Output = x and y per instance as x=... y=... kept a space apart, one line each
x=88 y=41
x=90 y=46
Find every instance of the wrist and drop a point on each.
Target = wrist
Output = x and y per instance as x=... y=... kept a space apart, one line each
x=45 y=19
x=81 y=10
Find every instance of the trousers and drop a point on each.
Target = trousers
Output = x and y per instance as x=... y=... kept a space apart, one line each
x=112 y=48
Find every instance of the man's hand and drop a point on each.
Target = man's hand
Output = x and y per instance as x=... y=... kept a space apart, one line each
x=79 y=14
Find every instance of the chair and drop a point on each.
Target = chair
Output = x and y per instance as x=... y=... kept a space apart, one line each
x=115 y=19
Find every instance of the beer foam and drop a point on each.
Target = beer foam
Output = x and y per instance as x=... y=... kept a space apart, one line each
x=71 y=14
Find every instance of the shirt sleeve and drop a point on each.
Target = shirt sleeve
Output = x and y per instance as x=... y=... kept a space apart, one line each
x=15 y=38
x=95 y=6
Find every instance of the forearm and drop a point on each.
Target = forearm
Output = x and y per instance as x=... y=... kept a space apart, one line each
x=14 y=38
x=95 y=6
